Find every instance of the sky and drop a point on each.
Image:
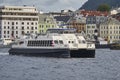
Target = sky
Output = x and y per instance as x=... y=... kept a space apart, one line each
x=47 y=5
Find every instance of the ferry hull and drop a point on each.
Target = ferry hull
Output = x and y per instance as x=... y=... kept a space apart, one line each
x=83 y=53
x=64 y=53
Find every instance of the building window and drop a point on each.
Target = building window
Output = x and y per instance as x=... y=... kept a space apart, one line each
x=47 y=21
x=22 y=27
x=4 y=32
x=12 y=27
x=12 y=23
x=16 y=23
x=16 y=32
x=16 y=27
x=42 y=26
x=22 y=32
x=32 y=28
x=110 y=37
x=8 y=27
x=32 y=23
x=7 y=32
x=4 y=36
x=22 y=23
x=52 y=26
x=27 y=27
x=4 y=27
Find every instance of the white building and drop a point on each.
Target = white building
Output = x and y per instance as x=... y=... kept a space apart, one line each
x=110 y=30
x=90 y=30
x=18 y=20
x=115 y=11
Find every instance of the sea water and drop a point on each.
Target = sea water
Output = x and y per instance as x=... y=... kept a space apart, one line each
x=105 y=66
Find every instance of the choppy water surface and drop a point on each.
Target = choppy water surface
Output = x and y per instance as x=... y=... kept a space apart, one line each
x=106 y=66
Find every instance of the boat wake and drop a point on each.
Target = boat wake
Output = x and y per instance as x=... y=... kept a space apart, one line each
x=4 y=53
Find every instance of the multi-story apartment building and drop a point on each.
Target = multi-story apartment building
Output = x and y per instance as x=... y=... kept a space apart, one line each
x=91 y=29
x=46 y=22
x=93 y=24
x=18 y=20
x=78 y=22
x=110 y=30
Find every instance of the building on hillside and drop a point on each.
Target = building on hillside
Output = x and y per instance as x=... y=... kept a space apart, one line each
x=117 y=16
x=78 y=22
x=110 y=30
x=62 y=13
x=115 y=11
x=62 y=20
x=86 y=13
x=15 y=21
x=46 y=22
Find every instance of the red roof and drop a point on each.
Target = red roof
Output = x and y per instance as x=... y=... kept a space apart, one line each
x=93 y=13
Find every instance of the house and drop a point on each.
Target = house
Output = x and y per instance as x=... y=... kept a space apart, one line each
x=78 y=22
x=46 y=22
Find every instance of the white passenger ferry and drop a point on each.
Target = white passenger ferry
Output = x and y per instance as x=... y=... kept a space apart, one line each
x=56 y=43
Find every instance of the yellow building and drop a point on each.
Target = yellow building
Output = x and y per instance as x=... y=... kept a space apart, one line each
x=110 y=30
x=46 y=22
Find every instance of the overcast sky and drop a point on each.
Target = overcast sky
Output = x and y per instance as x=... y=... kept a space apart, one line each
x=47 y=5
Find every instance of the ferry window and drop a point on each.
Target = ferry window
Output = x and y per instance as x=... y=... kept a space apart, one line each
x=44 y=43
x=79 y=41
x=50 y=43
x=83 y=41
x=21 y=42
x=60 y=41
x=56 y=42
x=47 y=44
x=40 y=43
x=35 y=43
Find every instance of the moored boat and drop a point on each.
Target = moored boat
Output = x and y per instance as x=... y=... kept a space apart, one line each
x=115 y=46
x=56 y=43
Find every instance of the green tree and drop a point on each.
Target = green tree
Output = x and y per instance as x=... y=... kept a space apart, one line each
x=103 y=7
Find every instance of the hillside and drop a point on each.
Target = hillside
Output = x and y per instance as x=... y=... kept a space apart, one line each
x=93 y=4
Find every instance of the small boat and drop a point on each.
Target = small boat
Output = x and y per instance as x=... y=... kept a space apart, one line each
x=101 y=44
x=6 y=43
x=115 y=46
x=56 y=43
